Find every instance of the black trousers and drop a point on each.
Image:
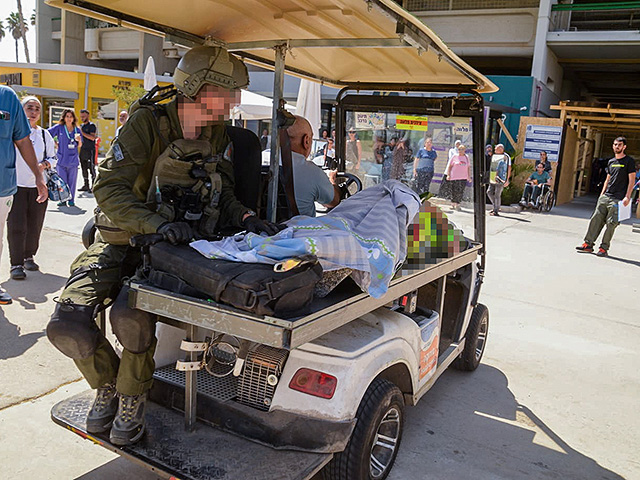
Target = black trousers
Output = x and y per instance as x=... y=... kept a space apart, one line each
x=87 y=163
x=24 y=225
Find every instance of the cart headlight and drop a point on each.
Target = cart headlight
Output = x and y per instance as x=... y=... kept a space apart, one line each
x=314 y=383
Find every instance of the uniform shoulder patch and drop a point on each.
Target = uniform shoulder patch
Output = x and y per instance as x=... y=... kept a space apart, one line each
x=228 y=153
x=117 y=152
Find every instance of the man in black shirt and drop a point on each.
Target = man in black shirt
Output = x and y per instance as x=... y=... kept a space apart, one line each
x=621 y=171
x=88 y=150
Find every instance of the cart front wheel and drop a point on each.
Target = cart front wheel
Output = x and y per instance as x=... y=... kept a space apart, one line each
x=475 y=340
x=375 y=440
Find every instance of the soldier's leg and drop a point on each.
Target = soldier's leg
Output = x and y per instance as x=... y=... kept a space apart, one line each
x=611 y=223
x=597 y=221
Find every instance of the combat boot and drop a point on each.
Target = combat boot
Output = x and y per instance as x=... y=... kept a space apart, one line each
x=100 y=417
x=128 y=426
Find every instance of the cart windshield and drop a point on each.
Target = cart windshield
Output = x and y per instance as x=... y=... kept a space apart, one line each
x=431 y=154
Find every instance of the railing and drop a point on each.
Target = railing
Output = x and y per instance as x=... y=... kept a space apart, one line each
x=439 y=5
x=595 y=16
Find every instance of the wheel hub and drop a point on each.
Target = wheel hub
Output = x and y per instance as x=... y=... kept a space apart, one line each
x=385 y=443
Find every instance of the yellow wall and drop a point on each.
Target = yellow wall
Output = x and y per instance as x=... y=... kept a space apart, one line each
x=100 y=88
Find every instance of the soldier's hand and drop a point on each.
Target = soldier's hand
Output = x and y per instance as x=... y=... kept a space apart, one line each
x=176 y=232
x=255 y=225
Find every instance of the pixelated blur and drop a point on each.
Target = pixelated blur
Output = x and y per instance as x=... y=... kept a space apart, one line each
x=431 y=237
x=212 y=104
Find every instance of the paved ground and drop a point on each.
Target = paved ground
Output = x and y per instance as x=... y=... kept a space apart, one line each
x=555 y=398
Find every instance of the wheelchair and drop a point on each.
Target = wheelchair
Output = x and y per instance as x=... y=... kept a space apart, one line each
x=545 y=201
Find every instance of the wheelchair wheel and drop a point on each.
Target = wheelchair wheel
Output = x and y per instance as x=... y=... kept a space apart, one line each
x=548 y=201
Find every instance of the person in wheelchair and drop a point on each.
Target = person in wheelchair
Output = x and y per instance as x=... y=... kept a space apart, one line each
x=138 y=191
x=538 y=181
x=310 y=183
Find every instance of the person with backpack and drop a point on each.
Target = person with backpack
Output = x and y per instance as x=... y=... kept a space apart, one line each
x=162 y=143
x=25 y=220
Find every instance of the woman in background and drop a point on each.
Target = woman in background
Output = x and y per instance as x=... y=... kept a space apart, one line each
x=68 y=136
x=458 y=172
x=26 y=217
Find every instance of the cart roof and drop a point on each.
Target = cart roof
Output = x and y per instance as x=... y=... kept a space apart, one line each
x=393 y=47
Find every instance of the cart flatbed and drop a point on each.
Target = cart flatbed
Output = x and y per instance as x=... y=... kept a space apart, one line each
x=203 y=454
x=337 y=309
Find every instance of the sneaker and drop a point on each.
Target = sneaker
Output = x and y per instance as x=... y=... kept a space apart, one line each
x=532 y=205
x=602 y=252
x=18 y=273
x=62 y=204
x=71 y=203
x=5 y=298
x=523 y=204
x=103 y=410
x=128 y=426
x=31 y=265
x=585 y=248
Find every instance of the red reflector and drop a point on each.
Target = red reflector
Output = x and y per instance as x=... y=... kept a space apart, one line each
x=314 y=383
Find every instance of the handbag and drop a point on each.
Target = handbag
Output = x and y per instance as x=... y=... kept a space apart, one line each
x=58 y=189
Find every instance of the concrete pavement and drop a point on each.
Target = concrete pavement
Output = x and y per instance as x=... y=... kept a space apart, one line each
x=555 y=397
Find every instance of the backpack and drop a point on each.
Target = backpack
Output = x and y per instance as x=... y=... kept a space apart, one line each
x=58 y=189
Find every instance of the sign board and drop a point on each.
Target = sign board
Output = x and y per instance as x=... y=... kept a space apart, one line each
x=55 y=113
x=540 y=138
x=370 y=121
x=410 y=122
x=11 y=78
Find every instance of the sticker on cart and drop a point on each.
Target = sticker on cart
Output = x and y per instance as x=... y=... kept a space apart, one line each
x=429 y=358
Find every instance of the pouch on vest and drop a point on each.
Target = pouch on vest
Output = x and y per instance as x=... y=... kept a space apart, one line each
x=185 y=186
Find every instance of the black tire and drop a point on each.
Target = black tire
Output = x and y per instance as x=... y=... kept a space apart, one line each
x=475 y=340
x=89 y=233
x=382 y=401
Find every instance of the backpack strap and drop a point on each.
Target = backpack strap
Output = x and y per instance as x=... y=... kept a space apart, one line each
x=44 y=143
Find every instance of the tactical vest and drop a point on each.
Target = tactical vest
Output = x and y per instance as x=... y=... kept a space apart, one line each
x=186 y=186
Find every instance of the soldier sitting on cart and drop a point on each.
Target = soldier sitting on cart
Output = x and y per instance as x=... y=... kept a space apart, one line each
x=208 y=80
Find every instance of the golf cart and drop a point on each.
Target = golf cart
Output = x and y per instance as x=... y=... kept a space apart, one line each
x=259 y=396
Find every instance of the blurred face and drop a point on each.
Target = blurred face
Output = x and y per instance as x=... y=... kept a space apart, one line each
x=499 y=149
x=489 y=150
x=540 y=168
x=32 y=109
x=84 y=116
x=212 y=105
x=123 y=117
x=330 y=143
x=428 y=143
x=461 y=149
x=351 y=135
x=68 y=118
x=543 y=156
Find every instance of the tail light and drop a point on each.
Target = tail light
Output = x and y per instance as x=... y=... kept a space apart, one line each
x=314 y=383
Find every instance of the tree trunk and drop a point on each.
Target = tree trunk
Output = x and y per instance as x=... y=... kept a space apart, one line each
x=23 y=30
x=16 y=40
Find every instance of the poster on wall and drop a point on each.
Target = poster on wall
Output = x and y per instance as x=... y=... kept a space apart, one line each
x=370 y=121
x=542 y=138
x=411 y=122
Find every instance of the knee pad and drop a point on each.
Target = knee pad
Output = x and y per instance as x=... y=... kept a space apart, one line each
x=134 y=329
x=73 y=331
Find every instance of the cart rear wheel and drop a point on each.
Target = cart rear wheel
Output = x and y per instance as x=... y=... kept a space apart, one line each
x=475 y=340
x=375 y=440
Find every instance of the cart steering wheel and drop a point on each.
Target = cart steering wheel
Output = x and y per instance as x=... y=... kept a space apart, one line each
x=348 y=184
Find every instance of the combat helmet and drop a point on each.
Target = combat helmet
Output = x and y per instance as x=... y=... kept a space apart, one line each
x=209 y=64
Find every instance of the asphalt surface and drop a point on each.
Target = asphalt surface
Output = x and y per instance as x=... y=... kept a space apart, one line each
x=555 y=397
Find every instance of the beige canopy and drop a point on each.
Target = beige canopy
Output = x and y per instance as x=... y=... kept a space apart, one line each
x=337 y=42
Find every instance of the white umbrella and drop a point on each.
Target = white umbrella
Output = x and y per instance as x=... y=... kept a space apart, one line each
x=150 y=74
x=308 y=104
x=254 y=107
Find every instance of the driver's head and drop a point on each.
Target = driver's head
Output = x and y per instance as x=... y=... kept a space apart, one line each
x=301 y=136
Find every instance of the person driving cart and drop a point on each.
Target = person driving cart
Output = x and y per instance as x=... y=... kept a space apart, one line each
x=533 y=186
x=168 y=172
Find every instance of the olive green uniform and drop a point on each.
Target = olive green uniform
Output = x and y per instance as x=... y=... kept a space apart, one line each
x=124 y=177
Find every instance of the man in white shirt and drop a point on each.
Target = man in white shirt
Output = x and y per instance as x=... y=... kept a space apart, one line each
x=310 y=183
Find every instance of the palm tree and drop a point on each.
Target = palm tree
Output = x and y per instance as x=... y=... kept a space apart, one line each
x=13 y=25
x=23 y=31
x=2 y=32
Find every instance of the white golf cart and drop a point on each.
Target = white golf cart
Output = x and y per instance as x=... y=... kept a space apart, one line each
x=261 y=397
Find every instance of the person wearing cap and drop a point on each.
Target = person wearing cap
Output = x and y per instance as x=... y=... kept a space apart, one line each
x=208 y=82
x=87 y=150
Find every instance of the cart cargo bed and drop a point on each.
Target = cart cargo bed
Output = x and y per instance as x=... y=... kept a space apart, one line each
x=204 y=454
x=344 y=304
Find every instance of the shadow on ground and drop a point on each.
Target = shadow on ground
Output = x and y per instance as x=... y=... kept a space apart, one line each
x=119 y=468
x=12 y=343
x=34 y=289
x=472 y=426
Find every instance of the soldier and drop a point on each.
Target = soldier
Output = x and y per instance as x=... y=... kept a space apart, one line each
x=208 y=81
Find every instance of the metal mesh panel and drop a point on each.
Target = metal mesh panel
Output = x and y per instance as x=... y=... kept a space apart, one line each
x=254 y=389
x=433 y=5
x=222 y=389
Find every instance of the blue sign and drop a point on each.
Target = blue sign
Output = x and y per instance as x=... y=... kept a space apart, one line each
x=541 y=138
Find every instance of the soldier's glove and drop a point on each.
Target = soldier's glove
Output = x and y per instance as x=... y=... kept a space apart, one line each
x=176 y=232
x=255 y=225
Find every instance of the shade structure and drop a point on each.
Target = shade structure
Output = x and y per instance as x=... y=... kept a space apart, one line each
x=308 y=104
x=255 y=107
x=337 y=42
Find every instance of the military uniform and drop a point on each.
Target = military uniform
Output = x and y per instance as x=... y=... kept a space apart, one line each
x=124 y=178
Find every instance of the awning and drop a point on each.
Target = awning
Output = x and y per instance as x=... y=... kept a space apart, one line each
x=255 y=107
x=337 y=42
x=46 y=92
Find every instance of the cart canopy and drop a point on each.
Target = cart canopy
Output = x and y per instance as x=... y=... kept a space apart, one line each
x=337 y=42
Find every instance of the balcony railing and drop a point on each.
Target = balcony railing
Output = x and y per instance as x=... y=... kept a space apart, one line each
x=439 y=5
x=583 y=17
